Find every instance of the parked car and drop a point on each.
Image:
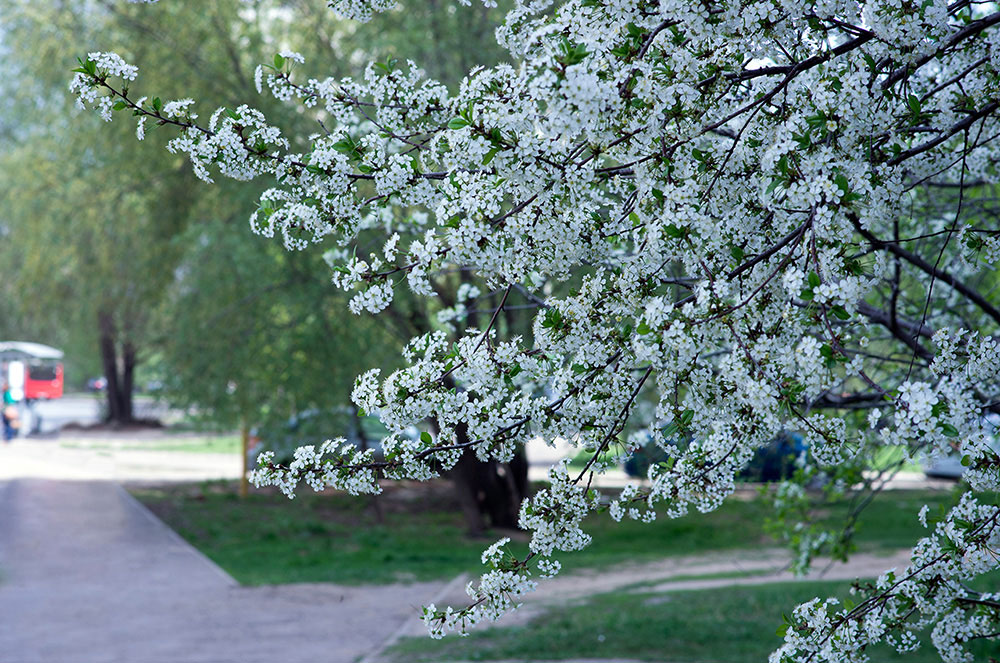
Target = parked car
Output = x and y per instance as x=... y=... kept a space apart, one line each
x=649 y=454
x=774 y=462
x=950 y=466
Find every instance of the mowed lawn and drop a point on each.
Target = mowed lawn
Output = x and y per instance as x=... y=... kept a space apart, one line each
x=726 y=625
x=416 y=532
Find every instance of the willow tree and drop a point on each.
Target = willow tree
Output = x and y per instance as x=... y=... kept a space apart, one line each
x=89 y=218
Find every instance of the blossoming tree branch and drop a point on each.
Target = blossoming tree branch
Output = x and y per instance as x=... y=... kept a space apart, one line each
x=771 y=214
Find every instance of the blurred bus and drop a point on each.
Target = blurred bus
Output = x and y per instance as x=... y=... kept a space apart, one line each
x=33 y=371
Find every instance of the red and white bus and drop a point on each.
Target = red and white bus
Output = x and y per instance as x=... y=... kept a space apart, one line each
x=33 y=371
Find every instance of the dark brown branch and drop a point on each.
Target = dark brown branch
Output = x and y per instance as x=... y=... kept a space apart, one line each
x=929 y=269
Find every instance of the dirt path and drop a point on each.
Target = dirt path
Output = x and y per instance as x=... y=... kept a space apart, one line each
x=741 y=567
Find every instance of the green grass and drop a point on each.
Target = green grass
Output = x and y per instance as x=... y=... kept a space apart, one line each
x=889 y=523
x=219 y=444
x=268 y=538
x=580 y=460
x=889 y=457
x=730 y=625
x=216 y=444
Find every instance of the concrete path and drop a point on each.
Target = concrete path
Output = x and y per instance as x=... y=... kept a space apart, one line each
x=90 y=576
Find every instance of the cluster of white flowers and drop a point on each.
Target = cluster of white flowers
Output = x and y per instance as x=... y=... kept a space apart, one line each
x=931 y=592
x=335 y=464
x=100 y=66
x=711 y=207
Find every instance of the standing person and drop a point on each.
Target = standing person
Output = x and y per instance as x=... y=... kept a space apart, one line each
x=9 y=413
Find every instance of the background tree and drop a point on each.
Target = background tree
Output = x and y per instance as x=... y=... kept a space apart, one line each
x=89 y=260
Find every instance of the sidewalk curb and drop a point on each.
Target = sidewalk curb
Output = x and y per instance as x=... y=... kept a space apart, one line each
x=141 y=508
x=375 y=655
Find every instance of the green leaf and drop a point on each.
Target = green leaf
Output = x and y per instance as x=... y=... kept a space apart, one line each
x=279 y=61
x=814 y=280
x=842 y=183
x=426 y=438
x=841 y=312
x=456 y=123
x=488 y=157
x=157 y=104
x=675 y=232
x=552 y=319
x=949 y=430
x=783 y=166
x=345 y=145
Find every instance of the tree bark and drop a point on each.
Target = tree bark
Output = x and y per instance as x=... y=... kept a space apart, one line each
x=490 y=493
x=127 y=382
x=118 y=370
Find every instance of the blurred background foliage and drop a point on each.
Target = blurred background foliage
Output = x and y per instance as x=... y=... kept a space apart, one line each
x=111 y=250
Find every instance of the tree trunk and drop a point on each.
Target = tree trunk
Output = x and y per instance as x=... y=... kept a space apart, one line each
x=118 y=371
x=245 y=448
x=463 y=477
x=490 y=493
x=127 y=382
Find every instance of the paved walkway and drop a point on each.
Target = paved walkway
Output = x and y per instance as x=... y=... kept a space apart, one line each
x=90 y=576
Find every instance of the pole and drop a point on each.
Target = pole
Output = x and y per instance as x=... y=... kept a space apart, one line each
x=245 y=435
